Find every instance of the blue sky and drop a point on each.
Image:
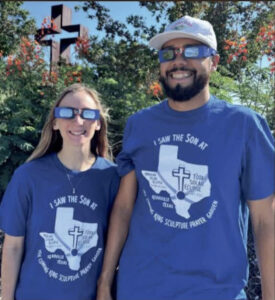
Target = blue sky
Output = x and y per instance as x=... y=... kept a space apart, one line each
x=119 y=10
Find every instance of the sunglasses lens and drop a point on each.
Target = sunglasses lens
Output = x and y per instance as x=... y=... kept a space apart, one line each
x=168 y=54
x=90 y=114
x=64 y=112
x=192 y=52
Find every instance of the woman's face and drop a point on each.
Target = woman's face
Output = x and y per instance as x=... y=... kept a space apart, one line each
x=77 y=132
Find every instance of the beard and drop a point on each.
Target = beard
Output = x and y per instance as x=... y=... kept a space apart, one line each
x=181 y=94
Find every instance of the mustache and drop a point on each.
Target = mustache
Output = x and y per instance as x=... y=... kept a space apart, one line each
x=175 y=69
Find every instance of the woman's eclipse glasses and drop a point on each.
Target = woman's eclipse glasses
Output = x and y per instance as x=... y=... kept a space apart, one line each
x=70 y=113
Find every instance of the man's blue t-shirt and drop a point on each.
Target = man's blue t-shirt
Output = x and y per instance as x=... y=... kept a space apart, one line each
x=64 y=232
x=195 y=171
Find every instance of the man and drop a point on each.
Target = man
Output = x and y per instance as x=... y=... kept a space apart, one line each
x=191 y=166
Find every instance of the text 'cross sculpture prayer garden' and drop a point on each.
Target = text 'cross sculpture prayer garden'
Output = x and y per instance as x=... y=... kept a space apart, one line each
x=61 y=17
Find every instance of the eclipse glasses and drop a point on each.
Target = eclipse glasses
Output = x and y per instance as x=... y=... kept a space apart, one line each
x=70 y=113
x=192 y=51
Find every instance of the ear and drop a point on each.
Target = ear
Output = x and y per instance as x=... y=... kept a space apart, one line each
x=98 y=125
x=214 y=62
x=55 y=125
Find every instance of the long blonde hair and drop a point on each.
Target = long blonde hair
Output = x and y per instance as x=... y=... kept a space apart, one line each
x=51 y=140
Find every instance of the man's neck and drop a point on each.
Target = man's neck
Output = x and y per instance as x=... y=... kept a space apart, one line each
x=195 y=102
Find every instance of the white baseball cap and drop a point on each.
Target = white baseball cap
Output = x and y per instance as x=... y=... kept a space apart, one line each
x=186 y=27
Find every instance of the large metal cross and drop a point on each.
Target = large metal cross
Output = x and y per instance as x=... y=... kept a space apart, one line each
x=61 y=16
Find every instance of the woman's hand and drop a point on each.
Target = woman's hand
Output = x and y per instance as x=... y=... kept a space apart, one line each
x=103 y=293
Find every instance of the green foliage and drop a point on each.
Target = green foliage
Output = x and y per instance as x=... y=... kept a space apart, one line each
x=256 y=89
x=222 y=86
x=14 y=24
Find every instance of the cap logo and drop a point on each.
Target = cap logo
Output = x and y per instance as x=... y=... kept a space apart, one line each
x=180 y=25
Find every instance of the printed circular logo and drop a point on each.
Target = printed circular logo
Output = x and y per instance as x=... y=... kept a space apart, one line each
x=178 y=185
x=71 y=239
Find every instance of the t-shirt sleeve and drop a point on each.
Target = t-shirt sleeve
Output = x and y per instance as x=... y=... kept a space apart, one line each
x=258 y=174
x=14 y=207
x=124 y=159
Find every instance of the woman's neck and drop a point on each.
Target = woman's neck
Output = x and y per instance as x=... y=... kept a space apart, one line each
x=76 y=160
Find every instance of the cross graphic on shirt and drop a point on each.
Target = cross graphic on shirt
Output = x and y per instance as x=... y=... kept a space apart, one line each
x=76 y=232
x=181 y=175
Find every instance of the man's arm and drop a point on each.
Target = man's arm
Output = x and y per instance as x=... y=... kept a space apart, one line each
x=11 y=262
x=262 y=217
x=117 y=233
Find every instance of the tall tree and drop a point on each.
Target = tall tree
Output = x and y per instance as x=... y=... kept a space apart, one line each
x=15 y=23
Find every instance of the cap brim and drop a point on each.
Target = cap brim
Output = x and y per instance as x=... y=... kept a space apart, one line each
x=160 y=39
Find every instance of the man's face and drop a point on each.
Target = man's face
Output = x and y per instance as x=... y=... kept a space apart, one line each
x=184 y=78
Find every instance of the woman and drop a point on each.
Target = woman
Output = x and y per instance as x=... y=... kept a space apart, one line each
x=55 y=210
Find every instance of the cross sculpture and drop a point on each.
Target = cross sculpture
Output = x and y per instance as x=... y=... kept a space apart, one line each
x=62 y=18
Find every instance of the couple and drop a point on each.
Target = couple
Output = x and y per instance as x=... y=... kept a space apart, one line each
x=193 y=168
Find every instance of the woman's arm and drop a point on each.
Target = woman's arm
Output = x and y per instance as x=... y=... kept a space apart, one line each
x=11 y=262
x=117 y=233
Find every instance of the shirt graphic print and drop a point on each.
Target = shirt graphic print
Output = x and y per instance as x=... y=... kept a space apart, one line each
x=72 y=237
x=185 y=183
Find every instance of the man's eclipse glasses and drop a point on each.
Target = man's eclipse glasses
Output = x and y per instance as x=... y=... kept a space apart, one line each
x=192 y=51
